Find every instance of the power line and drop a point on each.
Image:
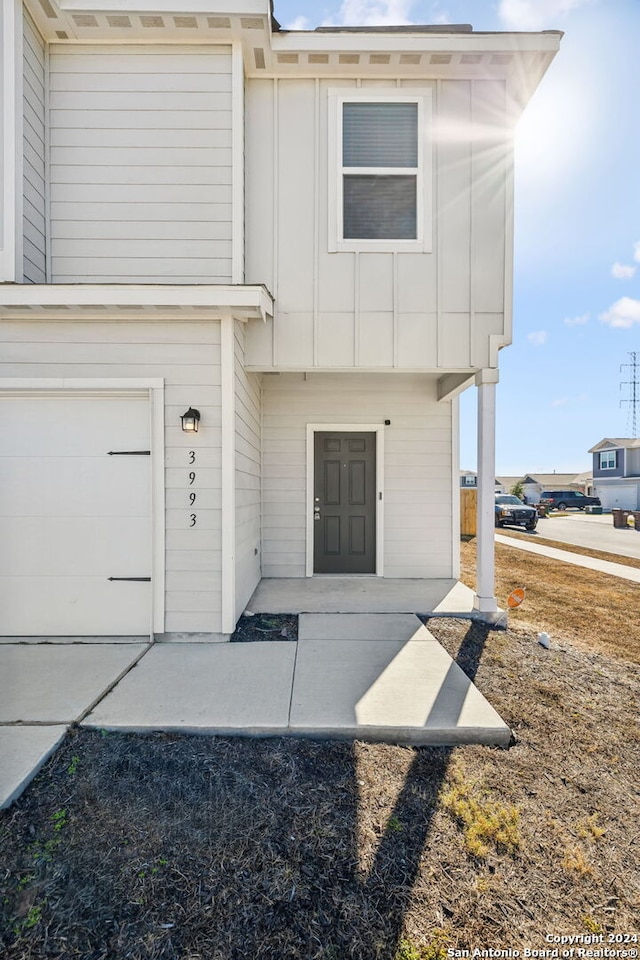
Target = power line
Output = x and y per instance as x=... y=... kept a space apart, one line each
x=634 y=390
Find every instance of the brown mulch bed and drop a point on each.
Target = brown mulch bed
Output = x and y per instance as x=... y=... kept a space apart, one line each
x=166 y=847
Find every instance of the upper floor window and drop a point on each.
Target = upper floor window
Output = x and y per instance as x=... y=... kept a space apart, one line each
x=380 y=178
x=608 y=460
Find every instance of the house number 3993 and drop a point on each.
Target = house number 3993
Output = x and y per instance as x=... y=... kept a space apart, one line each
x=193 y=518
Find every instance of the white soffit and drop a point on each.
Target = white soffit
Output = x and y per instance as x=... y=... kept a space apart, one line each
x=157 y=21
x=116 y=301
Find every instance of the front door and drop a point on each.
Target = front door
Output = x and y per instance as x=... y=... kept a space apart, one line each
x=344 y=503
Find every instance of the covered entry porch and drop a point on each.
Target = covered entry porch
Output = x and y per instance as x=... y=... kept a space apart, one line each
x=336 y=594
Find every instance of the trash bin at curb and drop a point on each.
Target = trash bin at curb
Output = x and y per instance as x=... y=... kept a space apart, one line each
x=636 y=517
x=618 y=517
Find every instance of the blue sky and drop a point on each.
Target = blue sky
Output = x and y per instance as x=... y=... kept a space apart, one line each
x=577 y=238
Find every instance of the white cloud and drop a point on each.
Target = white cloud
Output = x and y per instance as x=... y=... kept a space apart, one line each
x=636 y=251
x=300 y=23
x=623 y=313
x=536 y=14
x=577 y=321
x=564 y=401
x=537 y=338
x=372 y=13
x=621 y=271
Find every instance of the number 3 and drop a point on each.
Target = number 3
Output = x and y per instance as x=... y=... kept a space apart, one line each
x=192 y=520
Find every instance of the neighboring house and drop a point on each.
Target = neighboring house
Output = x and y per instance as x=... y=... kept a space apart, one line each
x=616 y=472
x=468 y=478
x=306 y=237
x=534 y=484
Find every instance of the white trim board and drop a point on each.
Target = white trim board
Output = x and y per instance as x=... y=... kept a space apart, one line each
x=123 y=386
x=378 y=429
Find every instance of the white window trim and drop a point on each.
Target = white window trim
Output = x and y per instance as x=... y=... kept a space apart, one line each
x=376 y=428
x=424 y=189
x=608 y=453
x=122 y=387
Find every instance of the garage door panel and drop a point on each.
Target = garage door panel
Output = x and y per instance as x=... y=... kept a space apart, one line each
x=72 y=486
x=71 y=516
x=65 y=606
x=73 y=426
x=75 y=546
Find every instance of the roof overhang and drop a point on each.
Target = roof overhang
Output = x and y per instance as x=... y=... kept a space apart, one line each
x=617 y=443
x=521 y=59
x=421 y=52
x=128 y=301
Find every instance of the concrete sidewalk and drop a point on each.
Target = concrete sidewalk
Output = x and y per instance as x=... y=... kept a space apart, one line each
x=379 y=677
x=44 y=688
x=577 y=559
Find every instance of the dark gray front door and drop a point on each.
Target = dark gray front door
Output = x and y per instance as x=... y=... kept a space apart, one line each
x=344 y=503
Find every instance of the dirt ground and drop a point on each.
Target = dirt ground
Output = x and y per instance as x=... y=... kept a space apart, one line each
x=190 y=848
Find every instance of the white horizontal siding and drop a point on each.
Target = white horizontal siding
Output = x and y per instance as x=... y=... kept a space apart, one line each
x=186 y=354
x=417 y=468
x=248 y=404
x=140 y=150
x=34 y=137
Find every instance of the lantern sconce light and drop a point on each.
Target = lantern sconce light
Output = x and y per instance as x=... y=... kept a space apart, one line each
x=190 y=420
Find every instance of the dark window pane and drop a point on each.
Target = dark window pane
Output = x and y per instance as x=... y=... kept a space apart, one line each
x=379 y=208
x=380 y=134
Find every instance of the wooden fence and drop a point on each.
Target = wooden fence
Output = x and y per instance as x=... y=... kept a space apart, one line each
x=468 y=506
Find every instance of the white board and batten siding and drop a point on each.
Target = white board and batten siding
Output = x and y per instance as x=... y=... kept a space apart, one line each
x=34 y=154
x=376 y=310
x=141 y=164
x=417 y=470
x=186 y=354
x=248 y=412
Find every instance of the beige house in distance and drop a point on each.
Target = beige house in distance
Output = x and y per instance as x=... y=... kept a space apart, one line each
x=299 y=243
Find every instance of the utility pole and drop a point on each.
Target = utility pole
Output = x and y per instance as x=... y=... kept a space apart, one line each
x=634 y=390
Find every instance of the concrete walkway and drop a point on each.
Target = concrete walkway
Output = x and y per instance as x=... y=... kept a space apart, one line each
x=44 y=688
x=372 y=677
x=577 y=559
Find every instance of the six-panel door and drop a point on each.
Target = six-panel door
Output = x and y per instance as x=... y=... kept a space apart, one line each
x=344 y=503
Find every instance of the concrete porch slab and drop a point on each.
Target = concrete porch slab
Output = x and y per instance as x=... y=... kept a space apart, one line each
x=55 y=683
x=24 y=751
x=221 y=688
x=400 y=627
x=389 y=691
x=361 y=595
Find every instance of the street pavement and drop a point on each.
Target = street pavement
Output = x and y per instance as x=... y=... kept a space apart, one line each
x=594 y=532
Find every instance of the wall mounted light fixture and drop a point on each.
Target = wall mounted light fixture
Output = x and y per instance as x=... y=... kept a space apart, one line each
x=190 y=420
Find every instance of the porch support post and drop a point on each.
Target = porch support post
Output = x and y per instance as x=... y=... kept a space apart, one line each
x=228 y=473
x=485 y=600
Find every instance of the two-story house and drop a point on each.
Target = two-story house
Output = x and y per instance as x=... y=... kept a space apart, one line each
x=616 y=472
x=245 y=274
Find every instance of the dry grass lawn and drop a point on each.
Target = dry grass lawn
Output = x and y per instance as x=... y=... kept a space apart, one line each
x=167 y=847
x=593 y=610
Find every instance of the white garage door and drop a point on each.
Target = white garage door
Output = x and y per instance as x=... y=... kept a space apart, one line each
x=74 y=515
x=618 y=495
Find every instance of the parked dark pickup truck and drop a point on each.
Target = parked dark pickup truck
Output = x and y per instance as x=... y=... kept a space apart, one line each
x=513 y=512
x=563 y=499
